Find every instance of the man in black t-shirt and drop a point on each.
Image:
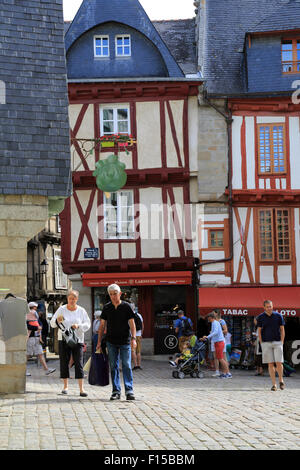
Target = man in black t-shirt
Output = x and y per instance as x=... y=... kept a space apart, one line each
x=271 y=337
x=118 y=320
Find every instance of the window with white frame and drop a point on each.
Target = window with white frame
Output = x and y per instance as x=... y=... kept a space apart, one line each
x=119 y=215
x=61 y=279
x=115 y=119
x=123 y=45
x=101 y=46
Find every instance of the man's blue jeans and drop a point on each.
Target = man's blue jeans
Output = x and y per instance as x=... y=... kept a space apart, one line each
x=114 y=354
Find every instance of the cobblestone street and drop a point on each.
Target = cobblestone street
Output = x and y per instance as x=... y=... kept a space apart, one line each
x=169 y=414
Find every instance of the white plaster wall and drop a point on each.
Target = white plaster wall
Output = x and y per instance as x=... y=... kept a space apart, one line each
x=236 y=153
x=193 y=110
x=213 y=254
x=250 y=152
x=284 y=275
x=266 y=274
x=111 y=251
x=128 y=250
x=177 y=111
x=295 y=152
x=297 y=242
x=148 y=135
x=151 y=227
x=270 y=119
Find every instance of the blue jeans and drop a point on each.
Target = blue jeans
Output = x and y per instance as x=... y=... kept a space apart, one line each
x=114 y=354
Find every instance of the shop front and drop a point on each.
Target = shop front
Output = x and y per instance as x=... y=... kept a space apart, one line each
x=156 y=296
x=240 y=305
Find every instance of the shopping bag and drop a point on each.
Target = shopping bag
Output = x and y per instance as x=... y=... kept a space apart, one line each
x=87 y=365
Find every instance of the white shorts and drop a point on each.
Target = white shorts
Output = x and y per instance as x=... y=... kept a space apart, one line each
x=272 y=352
x=34 y=347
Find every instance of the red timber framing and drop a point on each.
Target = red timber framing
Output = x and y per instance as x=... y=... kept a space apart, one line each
x=275 y=263
x=166 y=178
x=272 y=195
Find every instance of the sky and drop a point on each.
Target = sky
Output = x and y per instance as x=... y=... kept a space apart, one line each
x=156 y=9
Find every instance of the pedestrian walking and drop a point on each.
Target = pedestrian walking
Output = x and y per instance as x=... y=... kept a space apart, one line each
x=271 y=337
x=34 y=342
x=137 y=353
x=258 y=351
x=99 y=369
x=223 y=324
x=217 y=339
x=118 y=320
x=183 y=328
x=71 y=316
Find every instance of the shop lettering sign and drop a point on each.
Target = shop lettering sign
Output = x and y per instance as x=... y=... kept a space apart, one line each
x=245 y=312
x=234 y=311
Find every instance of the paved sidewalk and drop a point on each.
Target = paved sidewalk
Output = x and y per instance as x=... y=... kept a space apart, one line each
x=171 y=414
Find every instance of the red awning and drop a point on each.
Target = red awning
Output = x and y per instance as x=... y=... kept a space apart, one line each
x=243 y=301
x=172 y=278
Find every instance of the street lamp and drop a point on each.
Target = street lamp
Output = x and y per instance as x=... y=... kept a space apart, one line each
x=44 y=266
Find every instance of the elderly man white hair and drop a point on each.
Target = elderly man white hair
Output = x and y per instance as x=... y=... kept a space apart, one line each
x=113 y=287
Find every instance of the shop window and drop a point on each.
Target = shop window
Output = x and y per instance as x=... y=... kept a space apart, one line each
x=271 y=149
x=274 y=235
x=115 y=119
x=123 y=46
x=119 y=215
x=290 y=55
x=101 y=46
x=216 y=239
x=61 y=279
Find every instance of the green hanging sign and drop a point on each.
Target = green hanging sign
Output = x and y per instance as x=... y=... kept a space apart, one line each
x=110 y=174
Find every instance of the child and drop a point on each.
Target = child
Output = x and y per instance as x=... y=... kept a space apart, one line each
x=185 y=355
x=32 y=320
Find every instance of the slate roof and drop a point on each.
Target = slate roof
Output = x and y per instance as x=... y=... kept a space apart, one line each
x=180 y=38
x=34 y=127
x=284 y=18
x=95 y=12
x=223 y=32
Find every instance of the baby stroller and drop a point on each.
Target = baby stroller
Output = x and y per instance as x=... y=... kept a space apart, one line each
x=192 y=365
x=249 y=358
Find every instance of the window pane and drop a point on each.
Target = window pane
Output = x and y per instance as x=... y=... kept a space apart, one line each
x=119 y=41
x=108 y=114
x=278 y=149
x=98 y=42
x=105 y=51
x=266 y=235
x=283 y=239
x=122 y=114
x=120 y=50
x=126 y=50
x=123 y=127
x=105 y=41
x=108 y=127
x=264 y=149
x=126 y=41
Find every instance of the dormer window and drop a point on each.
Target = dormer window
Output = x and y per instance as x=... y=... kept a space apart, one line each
x=101 y=46
x=290 y=54
x=123 y=46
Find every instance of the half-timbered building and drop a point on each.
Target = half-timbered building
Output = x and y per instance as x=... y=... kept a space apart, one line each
x=252 y=251
x=123 y=79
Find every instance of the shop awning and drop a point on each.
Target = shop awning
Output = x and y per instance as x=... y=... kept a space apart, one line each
x=249 y=300
x=171 y=278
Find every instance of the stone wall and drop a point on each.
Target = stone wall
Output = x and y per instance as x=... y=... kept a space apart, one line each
x=213 y=153
x=21 y=217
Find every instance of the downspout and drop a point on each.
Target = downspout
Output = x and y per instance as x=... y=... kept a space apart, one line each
x=228 y=118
